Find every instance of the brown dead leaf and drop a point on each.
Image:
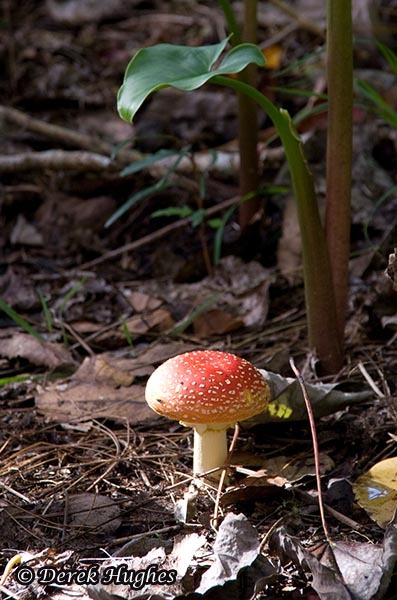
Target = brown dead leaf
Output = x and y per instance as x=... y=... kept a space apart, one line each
x=141 y=302
x=275 y=473
x=366 y=568
x=239 y=290
x=89 y=514
x=244 y=289
x=159 y=320
x=101 y=387
x=236 y=547
x=216 y=321
x=37 y=352
x=86 y=327
x=17 y=290
x=105 y=369
x=62 y=218
x=263 y=490
x=281 y=469
x=76 y=401
x=160 y=352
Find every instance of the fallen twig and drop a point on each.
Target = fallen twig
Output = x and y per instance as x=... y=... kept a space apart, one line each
x=331 y=511
x=151 y=237
x=219 y=160
x=58 y=133
x=369 y=380
x=55 y=160
x=317 y=467
x=233 y=443
x=301 y=21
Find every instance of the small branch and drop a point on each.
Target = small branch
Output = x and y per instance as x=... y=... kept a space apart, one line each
x=302 y=22
x=156 y=235
x=369 y=380
x=316 y=465
x=331 y=511
x=223 y=161
x=58 y=133
x=55 y=160
x=232 y=446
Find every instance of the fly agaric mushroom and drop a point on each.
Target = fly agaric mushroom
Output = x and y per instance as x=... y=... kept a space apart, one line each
x=209 y=391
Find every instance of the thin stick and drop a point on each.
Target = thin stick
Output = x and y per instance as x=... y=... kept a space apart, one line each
x=369 y=380
x=302 y=21
x=15 y=492
x=316 y=465
x=80 y=340
x=65 y=160
x=331 y=511
x=56 y=132
x=150 y=237
x=224 y=473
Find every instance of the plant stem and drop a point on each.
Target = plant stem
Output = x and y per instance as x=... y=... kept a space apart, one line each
x=202 y=226
x=320 y=303
x=231 y=22
x=339 y=150
x=248 y=124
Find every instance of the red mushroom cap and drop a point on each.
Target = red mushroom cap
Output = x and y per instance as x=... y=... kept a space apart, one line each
x=207 y=386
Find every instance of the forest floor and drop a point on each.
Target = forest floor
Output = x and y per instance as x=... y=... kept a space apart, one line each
x=89 y=475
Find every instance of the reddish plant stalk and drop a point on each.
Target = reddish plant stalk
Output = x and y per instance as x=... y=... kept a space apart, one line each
x=248 y=124
x=339 y=150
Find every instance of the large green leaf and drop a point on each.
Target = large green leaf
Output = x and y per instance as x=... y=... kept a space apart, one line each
x=181 y=67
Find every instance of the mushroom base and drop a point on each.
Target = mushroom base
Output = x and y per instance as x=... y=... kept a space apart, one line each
x=210 y=448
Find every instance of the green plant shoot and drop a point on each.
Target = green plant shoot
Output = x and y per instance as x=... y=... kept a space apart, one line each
x=187 y=69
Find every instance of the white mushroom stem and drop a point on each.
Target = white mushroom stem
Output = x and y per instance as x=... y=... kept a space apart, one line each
x=210 y=448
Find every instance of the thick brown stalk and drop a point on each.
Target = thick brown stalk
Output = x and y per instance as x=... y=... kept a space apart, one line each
x=320 y=303
x=339 y=150
x=248 y=124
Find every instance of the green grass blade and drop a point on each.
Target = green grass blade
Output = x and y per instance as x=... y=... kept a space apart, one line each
x=173 y=211
x=198 y=311
x=161 y=185
x=382 y=108
x=298 y=92
x=141 y=195
x=139 y=165
x=72 y=292
x=389 y=55
x=219 y=234
x=127 y=334
x=19 y=320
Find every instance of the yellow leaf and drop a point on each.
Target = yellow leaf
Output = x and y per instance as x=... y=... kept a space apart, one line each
x=376 y=491
x=272 y=55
